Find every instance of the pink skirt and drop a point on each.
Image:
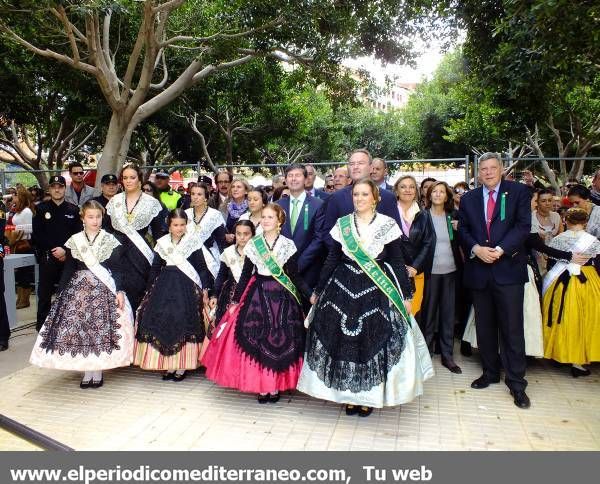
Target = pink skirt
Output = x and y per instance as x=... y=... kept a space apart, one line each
x=228 y=366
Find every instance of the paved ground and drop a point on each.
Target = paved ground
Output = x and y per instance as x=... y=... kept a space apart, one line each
x=136 y=410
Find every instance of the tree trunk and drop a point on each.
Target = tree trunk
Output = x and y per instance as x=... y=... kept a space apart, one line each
x=116 y=146
x=42 y=178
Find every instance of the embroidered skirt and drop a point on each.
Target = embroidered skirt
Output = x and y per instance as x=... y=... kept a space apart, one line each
x=84 y=330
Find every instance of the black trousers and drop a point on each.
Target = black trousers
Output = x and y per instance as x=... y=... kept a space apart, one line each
x=499 y=324
x=50 y=271
x=4 y=325
x=438 y=311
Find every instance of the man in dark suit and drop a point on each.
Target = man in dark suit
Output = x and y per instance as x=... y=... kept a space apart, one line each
x=303 y=224
x=340 y=202
x=309 y=184
x=494 y=221
x=379 y=173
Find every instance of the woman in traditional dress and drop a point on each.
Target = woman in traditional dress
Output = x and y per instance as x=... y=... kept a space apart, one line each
x=363 y=347
x=237 y=205
x=169 y=323
x=257 y=199
x=207 y=224
x=90 y=324
x=232 y=262
x=132 y=213
x=581 y=197
x=258 y=344
x=546 y=223
x=571 y=293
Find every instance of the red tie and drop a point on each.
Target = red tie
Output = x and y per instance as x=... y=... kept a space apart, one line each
x=491 y=204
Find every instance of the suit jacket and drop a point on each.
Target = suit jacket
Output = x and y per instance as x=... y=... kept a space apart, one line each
x=340 y=203
x=309 y=242
x=510 y=234
x=87 y=193
x=214 y=201
x=321 y=194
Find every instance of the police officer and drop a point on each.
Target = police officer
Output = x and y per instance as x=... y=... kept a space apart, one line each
x=53 y=223
x=4 y=325
x=110 y=186
x=168 y=196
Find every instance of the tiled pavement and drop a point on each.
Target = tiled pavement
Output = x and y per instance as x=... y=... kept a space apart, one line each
x=136 y=410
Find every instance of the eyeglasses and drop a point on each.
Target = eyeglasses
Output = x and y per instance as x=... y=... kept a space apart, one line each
x=221 y=182
x=147 y=190
x=460 y=191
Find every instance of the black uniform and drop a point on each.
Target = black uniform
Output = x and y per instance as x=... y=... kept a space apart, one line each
x=4 y=325
x=52 y=226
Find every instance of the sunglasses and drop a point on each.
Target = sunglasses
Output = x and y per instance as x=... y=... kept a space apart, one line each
x=460 y=191
x=330 y=187
x=77 y=173
x=147 y=190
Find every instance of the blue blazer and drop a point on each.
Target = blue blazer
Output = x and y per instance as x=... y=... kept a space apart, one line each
x=509 y=234
x=340 y=203
x=321 y=194
x=308 y=241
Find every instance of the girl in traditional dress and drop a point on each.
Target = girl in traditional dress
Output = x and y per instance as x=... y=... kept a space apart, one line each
x=257 y=199
x=207 y=224
x=131 y=214
x=232 y=262
x=571 y=293
x=90 y=325
x=258 y=344
x=363 y=347
x=169 y=323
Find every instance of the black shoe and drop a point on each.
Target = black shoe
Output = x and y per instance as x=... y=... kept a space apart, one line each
x=453 y=367
x=466 y=349
x=520 y=398
x=168 y=376
x=263 y=398
x=351 y=409
x=97 y=384
x=274 y=397
x=3 y=345
x=365 y=411
x=85 y=384
x=576 y=372
x=180 y=377
x=483 y=382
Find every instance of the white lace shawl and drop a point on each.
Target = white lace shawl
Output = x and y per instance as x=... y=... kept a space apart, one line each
x=373 y=237
x=284 y=249
x=210 y=222
x=102 y=247
x=144 y=212
x=567 y=240
x=187 y=246
x=234 y=261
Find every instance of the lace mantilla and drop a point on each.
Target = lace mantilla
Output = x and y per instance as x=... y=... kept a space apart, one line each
x=102 y=248
x=283 y=250
x=210 y=222
x=186 y=247
x=234 y=261
x=373 y=237
x=567 y=240
x=143 y=213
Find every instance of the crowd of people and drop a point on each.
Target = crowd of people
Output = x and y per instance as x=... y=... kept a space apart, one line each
x=345 y=293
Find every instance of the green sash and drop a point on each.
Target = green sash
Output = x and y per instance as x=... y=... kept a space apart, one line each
x=369 y=266
x=276 y=271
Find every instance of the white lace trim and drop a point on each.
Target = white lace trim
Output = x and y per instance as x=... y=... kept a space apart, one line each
x=373 y=237
x=566 y=241
x=234 y=261
x=283 y=250
x=186 y=247
x=210 y=222
x=102 y=248
x=144 y=212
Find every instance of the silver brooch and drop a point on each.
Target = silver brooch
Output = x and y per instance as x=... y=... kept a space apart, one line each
x=47 y=216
